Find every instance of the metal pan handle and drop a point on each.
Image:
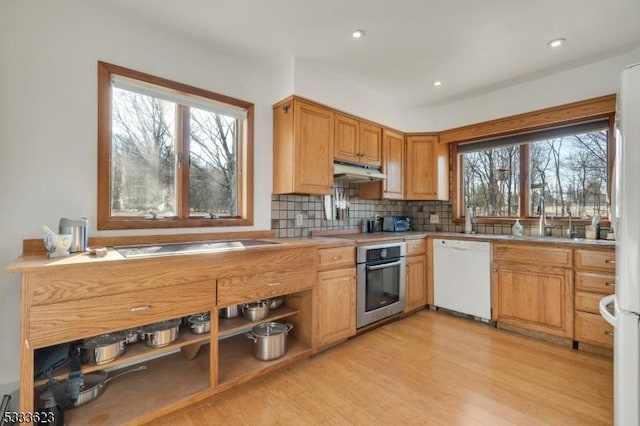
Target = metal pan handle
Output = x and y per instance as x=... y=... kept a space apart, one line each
x=108 y=379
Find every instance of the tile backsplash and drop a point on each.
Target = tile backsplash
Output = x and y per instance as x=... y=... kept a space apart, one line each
x=285 y=208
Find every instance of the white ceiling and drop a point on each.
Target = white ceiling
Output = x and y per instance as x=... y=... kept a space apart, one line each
x=472 y=46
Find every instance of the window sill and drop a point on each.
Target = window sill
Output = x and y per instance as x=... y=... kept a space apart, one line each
x=530 y=221
x=131 y=223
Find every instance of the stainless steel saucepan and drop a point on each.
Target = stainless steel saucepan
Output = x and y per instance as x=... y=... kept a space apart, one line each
x=161 y=333
x=102 y=349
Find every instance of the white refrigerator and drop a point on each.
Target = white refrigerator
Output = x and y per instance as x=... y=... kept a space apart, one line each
x=622 y=309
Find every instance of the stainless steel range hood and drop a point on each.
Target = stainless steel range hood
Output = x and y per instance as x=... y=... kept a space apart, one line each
x=356 y=173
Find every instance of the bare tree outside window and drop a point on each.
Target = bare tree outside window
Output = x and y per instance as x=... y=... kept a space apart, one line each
x=144 y=158
x=570 y=172
x=491 y=181
x=143 y=152
x=171 y=155
x=214 y=181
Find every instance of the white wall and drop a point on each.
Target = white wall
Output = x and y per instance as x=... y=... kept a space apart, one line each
x=314 y=83
x=48 y=97
x=584 y=82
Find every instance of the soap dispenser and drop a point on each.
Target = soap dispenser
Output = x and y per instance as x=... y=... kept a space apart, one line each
x=516 y=229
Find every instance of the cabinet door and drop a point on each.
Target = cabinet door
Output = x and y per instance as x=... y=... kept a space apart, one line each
x=535 y=298
x=393 y=164
x=313 y=168
x=336 y=305
x=346 y=139
x=370 y=147
x=416 y=283
x=427 y=164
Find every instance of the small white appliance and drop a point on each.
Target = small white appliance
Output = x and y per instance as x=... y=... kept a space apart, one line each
x=625 y=220
x=462 y=276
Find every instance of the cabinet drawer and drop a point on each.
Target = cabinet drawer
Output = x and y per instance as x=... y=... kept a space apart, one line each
x=416 y=247
x=336 y=257
x=588 y=302
x=594 y=281
x=599 y=260
x=257 y=286
x=522 y=253
x=593 y=329
x=76 y=319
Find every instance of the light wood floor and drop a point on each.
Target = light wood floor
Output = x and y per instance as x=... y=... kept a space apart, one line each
x=430 y=368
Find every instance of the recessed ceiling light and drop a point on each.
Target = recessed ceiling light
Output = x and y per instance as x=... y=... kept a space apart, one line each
x=437 y=83
x=556 y=42
x=357 y=34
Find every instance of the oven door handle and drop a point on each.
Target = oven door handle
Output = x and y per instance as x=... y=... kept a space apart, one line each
x=384 y=265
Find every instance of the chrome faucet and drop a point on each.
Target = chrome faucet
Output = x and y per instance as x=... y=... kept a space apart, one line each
x=544 y=225
x=570 y=232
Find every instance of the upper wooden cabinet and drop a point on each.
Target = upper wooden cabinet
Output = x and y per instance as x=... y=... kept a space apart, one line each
x=303 y=141
x=426 y=168
x=357 y=141
x=392 y=166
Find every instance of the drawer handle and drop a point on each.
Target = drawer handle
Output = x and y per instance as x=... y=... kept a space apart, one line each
x=139 y=308
x=609 y=333
x=610 y=284
x=416 y=246
x=337 y=257
x=613 y=262
x=273 y=284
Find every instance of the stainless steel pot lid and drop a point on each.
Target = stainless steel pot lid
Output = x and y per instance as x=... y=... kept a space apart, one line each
x=161 y=326
x=103 y=340
x=198 y=318
x=269 y=329
x=256 y=305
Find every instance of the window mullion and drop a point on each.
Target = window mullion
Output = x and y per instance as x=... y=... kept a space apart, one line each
x=524 y=180
x=182 y=162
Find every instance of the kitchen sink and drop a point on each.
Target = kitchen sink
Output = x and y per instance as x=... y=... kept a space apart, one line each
x=147 y=250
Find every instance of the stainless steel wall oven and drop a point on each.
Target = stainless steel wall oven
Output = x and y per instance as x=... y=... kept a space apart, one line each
x=380 y=277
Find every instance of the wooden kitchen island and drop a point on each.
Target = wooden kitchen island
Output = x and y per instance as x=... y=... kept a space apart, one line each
x=68 y=299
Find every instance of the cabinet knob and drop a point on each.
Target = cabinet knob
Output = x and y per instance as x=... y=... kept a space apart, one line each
x=611 y=261
x=610 y=284
x=609 y=333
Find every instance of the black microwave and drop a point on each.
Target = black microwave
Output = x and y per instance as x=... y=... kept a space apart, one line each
x=396 y=223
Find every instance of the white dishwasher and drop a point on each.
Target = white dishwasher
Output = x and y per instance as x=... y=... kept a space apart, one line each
x=462 y=276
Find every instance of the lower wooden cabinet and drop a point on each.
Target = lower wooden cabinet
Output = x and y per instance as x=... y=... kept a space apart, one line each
x=533 y=297
x=416 y=282
x=593 y=329
x=336 y=303
x=594 y=279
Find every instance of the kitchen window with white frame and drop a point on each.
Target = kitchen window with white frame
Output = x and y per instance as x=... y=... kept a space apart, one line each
x=171 y=155
x=561 y=172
